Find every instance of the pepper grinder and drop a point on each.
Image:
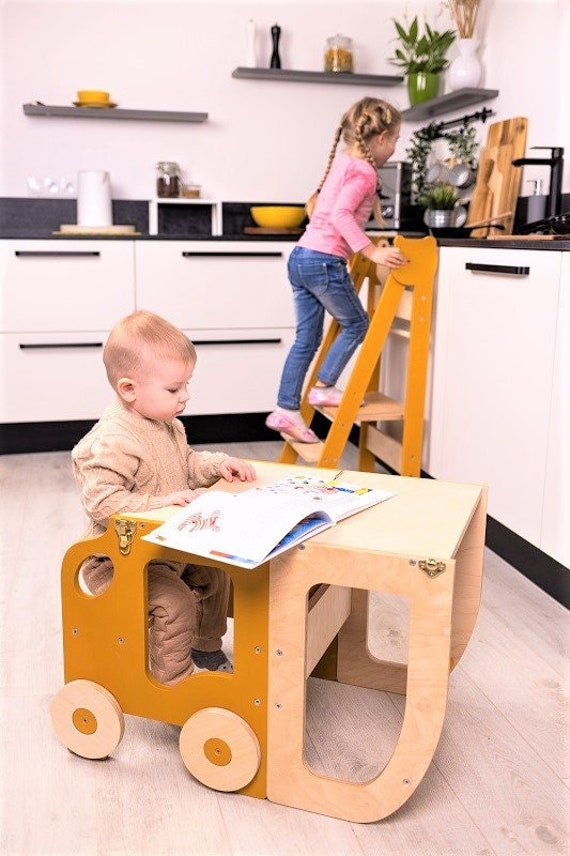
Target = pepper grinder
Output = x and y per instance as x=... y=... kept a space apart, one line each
x=275 y=35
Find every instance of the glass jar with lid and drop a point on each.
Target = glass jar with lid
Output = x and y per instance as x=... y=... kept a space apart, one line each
x=338 y=54
x=167 y=180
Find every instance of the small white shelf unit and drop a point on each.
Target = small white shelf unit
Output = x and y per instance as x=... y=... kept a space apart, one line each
x=215 y=205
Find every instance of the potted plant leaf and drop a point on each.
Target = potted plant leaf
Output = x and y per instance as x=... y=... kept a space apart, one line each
x=422 y=56
x=442 y=209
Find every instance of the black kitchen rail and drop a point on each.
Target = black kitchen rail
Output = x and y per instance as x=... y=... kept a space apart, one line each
x=512 y=270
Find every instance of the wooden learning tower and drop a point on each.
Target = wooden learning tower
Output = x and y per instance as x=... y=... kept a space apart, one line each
x=402 y=303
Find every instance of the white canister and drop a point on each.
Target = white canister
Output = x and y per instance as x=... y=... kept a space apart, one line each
x=94 y=206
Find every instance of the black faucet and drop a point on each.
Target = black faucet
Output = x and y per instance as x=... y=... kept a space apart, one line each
x=556 y=164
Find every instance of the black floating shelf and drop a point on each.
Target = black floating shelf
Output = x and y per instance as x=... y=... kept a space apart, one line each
x=348 y=78
x=113 y=113
x=445 y=103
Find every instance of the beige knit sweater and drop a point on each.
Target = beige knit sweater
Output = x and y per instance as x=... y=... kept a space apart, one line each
x=128 y=463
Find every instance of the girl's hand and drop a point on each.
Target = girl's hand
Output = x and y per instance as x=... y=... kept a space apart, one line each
x=236 y=467
x=391 y=257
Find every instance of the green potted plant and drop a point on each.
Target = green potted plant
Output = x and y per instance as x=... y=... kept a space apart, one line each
x=440 y=197
x=441 y=200
x=422 y=57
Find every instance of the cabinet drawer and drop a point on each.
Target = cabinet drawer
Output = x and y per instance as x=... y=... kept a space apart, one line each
x=205 y=285
x=52 y=376
x=71 y=285
x=238 y=373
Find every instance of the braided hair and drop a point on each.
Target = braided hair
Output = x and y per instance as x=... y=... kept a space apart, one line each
x=364 y=120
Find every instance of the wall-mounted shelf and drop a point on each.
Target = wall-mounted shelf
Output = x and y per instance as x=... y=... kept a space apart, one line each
x=445 y=103
x=112 y=113
x=348 y=78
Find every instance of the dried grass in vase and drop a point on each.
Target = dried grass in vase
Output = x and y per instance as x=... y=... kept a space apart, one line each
x=464 y=14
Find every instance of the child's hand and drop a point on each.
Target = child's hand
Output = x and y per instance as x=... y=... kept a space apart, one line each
x=391 y=257
x=180 y=497
x=236 y=467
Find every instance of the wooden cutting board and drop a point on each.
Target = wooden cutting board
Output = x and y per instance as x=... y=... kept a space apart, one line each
x=74 y=229
x=498 y=182
x=482 y=199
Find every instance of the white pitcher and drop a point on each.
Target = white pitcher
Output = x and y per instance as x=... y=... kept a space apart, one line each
x=94 y=206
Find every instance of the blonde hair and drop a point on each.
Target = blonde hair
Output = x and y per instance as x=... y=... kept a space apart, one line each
x=132 y=338
x=364 y=120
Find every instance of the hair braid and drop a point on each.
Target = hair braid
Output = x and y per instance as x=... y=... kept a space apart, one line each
x=367 y=154
x=313 y=199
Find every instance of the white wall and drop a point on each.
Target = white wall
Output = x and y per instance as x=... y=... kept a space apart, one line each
x=264 y=140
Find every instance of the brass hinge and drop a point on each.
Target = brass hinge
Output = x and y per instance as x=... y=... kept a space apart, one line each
x=125 y=530
x=432 y=567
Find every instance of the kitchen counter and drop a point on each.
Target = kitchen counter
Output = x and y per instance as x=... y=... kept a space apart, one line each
x=32 y=234
x=42 y=235
x=528 y=243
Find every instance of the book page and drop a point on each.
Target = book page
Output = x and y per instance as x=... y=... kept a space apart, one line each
x=340 y=500
x=243 y=528
x=246 y=528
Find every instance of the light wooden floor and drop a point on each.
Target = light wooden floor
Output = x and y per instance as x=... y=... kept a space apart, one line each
x=497 y=785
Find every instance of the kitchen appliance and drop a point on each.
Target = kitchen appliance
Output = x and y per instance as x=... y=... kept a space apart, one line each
x=395 y=192
x=94 y=206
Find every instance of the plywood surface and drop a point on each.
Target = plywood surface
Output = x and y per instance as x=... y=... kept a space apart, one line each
x=498 y=182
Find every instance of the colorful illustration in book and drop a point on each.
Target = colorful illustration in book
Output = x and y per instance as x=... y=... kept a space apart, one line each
x=309 y=486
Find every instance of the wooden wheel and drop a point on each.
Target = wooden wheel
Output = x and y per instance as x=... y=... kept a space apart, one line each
x=87 y=719
x=220 y=749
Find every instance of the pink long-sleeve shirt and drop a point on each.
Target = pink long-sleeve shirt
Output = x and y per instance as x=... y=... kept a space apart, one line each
x=343 y=208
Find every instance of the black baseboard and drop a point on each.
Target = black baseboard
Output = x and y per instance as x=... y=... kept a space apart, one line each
x=548 y=574
x=19 y=438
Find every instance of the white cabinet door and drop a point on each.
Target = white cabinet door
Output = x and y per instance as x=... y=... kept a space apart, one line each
x=215 y=285
x=52 y=377
x=493 y=360
x=233 y=299
x=65 y=285
x=555 y=539
x=237 y=374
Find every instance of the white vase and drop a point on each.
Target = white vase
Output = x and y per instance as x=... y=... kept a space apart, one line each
x=465 y=70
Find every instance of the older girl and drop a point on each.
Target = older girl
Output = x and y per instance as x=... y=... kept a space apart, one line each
x=317 y=268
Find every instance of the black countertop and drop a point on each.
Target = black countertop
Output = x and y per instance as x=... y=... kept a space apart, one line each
x=514 y=243
x=562 y=245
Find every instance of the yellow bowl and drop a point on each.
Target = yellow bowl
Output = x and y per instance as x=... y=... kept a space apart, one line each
x=92 y=96
x=278 y=216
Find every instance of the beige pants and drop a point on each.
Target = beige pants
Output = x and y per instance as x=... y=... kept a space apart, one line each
x=187 y=608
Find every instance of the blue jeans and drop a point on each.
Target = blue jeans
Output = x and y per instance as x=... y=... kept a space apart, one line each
x=320 y=282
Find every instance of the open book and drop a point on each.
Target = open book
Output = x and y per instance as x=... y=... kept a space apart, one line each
x=248 y=528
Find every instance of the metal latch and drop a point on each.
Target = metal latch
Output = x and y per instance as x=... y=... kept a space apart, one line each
x=125 y=530
x=432 y=567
